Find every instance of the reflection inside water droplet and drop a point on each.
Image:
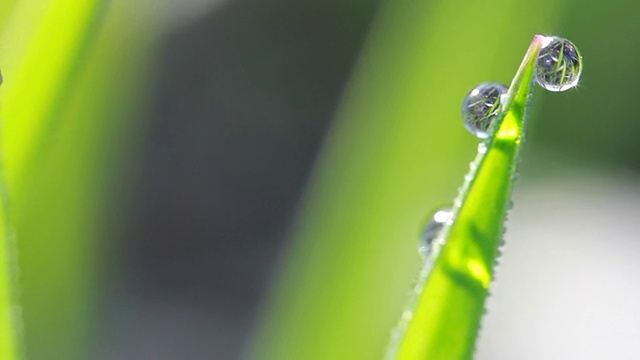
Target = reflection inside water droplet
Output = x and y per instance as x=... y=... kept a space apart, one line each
x=481 y=106
x=559 y=64
x=433 y=228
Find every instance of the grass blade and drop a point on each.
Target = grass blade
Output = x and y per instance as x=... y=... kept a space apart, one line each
x=68 y=124
x=44 y=44
x=442 y=322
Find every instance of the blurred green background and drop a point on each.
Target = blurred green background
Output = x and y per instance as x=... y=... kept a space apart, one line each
x=212 y=179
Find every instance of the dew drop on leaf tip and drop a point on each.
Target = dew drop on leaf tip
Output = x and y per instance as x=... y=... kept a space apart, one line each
x=559 y=64
x=481 y=106
x=432 y=229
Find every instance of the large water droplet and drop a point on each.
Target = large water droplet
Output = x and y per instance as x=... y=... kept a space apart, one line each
x=559 y=64
x=433 y=228
x=481 y=106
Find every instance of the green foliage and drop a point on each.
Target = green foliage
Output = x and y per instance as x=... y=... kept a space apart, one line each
x=41 y=51
x=443 y=322
x=64 y=115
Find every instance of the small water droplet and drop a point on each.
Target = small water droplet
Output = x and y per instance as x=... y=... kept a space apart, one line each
x=407 y=315
x=433 y=228
x=509 y=204
x=473 y=166
x=559 y=64
x=482 y=148
x=481 y=106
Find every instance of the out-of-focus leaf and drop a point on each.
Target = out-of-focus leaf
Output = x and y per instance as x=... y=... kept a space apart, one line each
x=72 y=80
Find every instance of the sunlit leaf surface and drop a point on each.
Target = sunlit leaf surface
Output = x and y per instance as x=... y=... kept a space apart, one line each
x=64 y=116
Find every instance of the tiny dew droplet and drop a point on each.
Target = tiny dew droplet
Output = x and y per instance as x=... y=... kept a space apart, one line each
x=559 y=64
x=509 y=204
x=482 y=148
x=432 y=229
x=481 y=106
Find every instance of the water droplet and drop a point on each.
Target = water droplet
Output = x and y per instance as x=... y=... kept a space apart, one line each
x=482 y=148
x=433 y=228
x=481 y=106
x=559 y=64
x=509 y=204
x=407 y=315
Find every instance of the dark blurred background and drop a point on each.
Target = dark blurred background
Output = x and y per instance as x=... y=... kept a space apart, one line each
x=246 y=95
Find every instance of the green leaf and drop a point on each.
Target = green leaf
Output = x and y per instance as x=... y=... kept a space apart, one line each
x=444 y=320
x=43 y=44
x=74 y=75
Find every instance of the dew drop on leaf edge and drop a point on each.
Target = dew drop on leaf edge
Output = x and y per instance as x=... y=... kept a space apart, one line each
x=482 y=147
x=433 y=228
x=559 y=64
x=481 y=106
